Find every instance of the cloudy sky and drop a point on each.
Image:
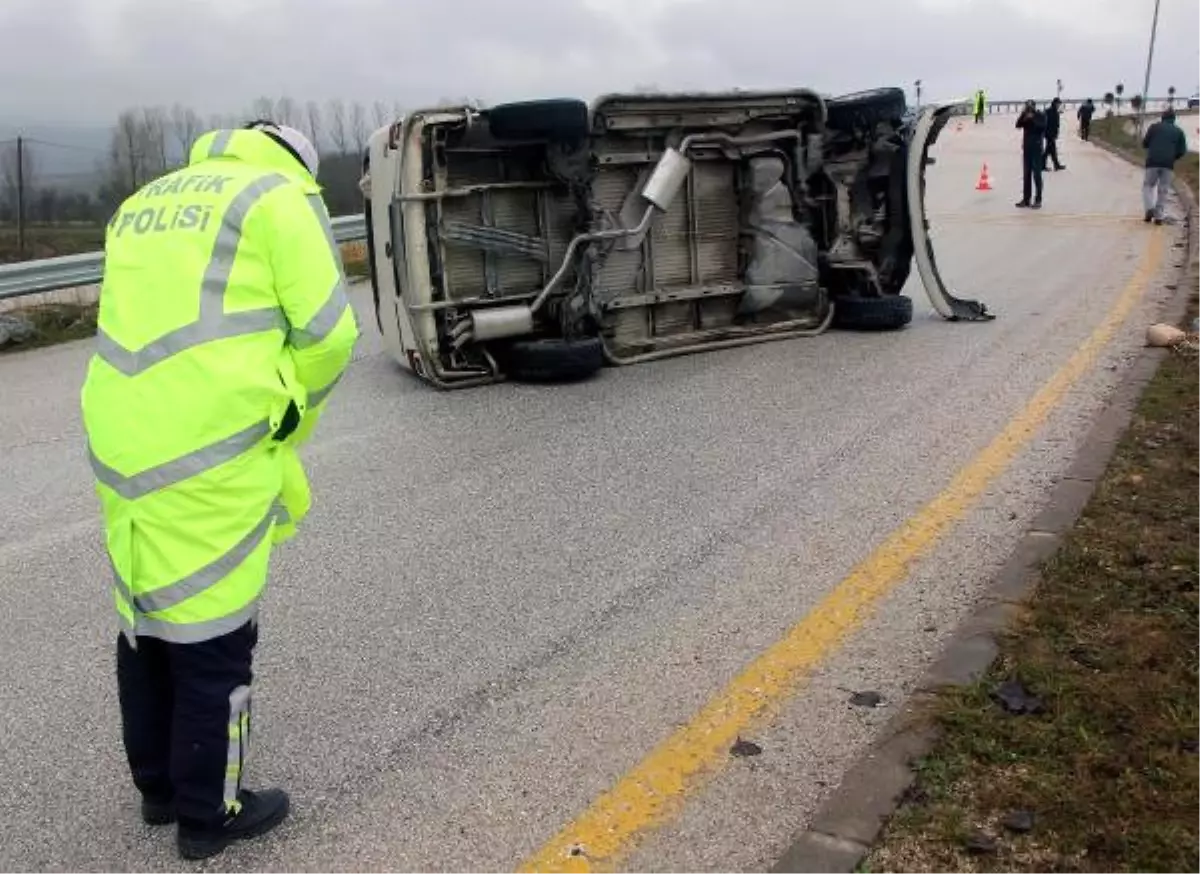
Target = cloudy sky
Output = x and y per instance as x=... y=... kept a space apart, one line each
x=85 y=60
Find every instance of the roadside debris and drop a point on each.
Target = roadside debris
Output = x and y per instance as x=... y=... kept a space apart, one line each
x=1163 y=335
x=744 y=748
x=866 y=699
x=1166 y=336
x=1019 y=821
x=1016 y=699
x=15 y=328
x=980 y=844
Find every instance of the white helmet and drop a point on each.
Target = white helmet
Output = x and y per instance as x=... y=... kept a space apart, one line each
x=294 y=141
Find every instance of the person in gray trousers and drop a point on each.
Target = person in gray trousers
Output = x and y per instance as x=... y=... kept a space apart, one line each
x=1165 y=144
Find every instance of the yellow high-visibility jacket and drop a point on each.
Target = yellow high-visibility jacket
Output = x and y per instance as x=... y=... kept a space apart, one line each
x=223 y=302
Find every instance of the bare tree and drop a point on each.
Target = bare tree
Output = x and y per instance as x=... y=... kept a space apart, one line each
x=225 y=120
x=185 y=125
x=358 y=126
x=154 y=139
x=127 y=160
x=313 y=124
x=337 y=125
x=262 y=107
x=380 y=115
x=286 y=111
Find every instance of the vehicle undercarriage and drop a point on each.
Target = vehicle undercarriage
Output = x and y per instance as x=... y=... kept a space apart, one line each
x=543 y=239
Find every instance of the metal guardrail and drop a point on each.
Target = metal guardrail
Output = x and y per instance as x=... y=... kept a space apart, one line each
x=70 y=271
x=1153 y=105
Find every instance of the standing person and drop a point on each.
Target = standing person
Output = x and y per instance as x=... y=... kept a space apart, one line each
x=980 y=106
x=223 y=327
x=1032 y=122
x=1165 y=144
x=1085 y=119
x=1053 y=122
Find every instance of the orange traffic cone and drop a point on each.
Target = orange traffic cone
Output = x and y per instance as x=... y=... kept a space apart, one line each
x=983 y=184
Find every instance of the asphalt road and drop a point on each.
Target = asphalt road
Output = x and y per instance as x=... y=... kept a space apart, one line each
x=505 y=597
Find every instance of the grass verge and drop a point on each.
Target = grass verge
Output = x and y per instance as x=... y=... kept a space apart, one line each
x=49 y=324
x=1104 y=777
x=50 y=241
x=1113 y=132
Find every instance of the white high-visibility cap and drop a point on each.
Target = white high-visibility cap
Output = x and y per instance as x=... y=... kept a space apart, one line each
x=298 y=142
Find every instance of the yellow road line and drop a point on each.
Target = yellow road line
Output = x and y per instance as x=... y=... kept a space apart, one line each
x=654 y=789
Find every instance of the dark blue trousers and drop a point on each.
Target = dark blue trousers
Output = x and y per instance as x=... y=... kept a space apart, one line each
x=1033 y=162
x=185 y=714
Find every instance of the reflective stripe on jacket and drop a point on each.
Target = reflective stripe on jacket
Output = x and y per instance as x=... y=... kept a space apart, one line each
x=223 y=302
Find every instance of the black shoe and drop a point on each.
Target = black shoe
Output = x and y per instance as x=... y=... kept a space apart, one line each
x=261 y=812
x=1022 y=204
x=1158 y=221
x=1149 y=215
x=155 y=812
x=1037 y=204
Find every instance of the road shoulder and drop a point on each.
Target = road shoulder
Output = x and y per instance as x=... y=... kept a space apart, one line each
x=847 y=829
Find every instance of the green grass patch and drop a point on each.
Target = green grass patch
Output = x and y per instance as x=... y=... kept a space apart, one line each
x=1108 y=643
x=1114 y=132
x=50 y=241
x=48 y=324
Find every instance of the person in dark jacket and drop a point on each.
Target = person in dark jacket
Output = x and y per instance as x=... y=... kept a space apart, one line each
x=1084 y=115
x=1032 y=122
x=1053 y=122
x=1165 y=144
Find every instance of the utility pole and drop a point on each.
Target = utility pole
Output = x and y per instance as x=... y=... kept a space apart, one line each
x=1149 y=60
x=20 y=198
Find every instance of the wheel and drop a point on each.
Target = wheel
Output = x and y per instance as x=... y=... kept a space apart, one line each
x=865 y=109
x=553 y=359
x=872 y=313
x=555 y=120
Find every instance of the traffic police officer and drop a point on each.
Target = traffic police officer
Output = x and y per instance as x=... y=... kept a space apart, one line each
x=223 y=327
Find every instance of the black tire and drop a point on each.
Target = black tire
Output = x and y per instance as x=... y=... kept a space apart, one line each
x=863 y=110
x=553 y=359
x=888 y=313
x=563 y=120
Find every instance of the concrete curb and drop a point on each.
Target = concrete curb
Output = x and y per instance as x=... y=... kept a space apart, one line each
x=843 y=830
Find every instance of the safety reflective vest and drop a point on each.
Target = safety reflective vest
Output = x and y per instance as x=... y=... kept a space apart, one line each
x=223 y=301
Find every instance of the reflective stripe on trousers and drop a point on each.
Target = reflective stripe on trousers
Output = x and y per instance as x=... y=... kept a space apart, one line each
x=239 y=746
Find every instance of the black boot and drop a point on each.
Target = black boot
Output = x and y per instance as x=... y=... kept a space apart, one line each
x=157 y=811
x=261 y=812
